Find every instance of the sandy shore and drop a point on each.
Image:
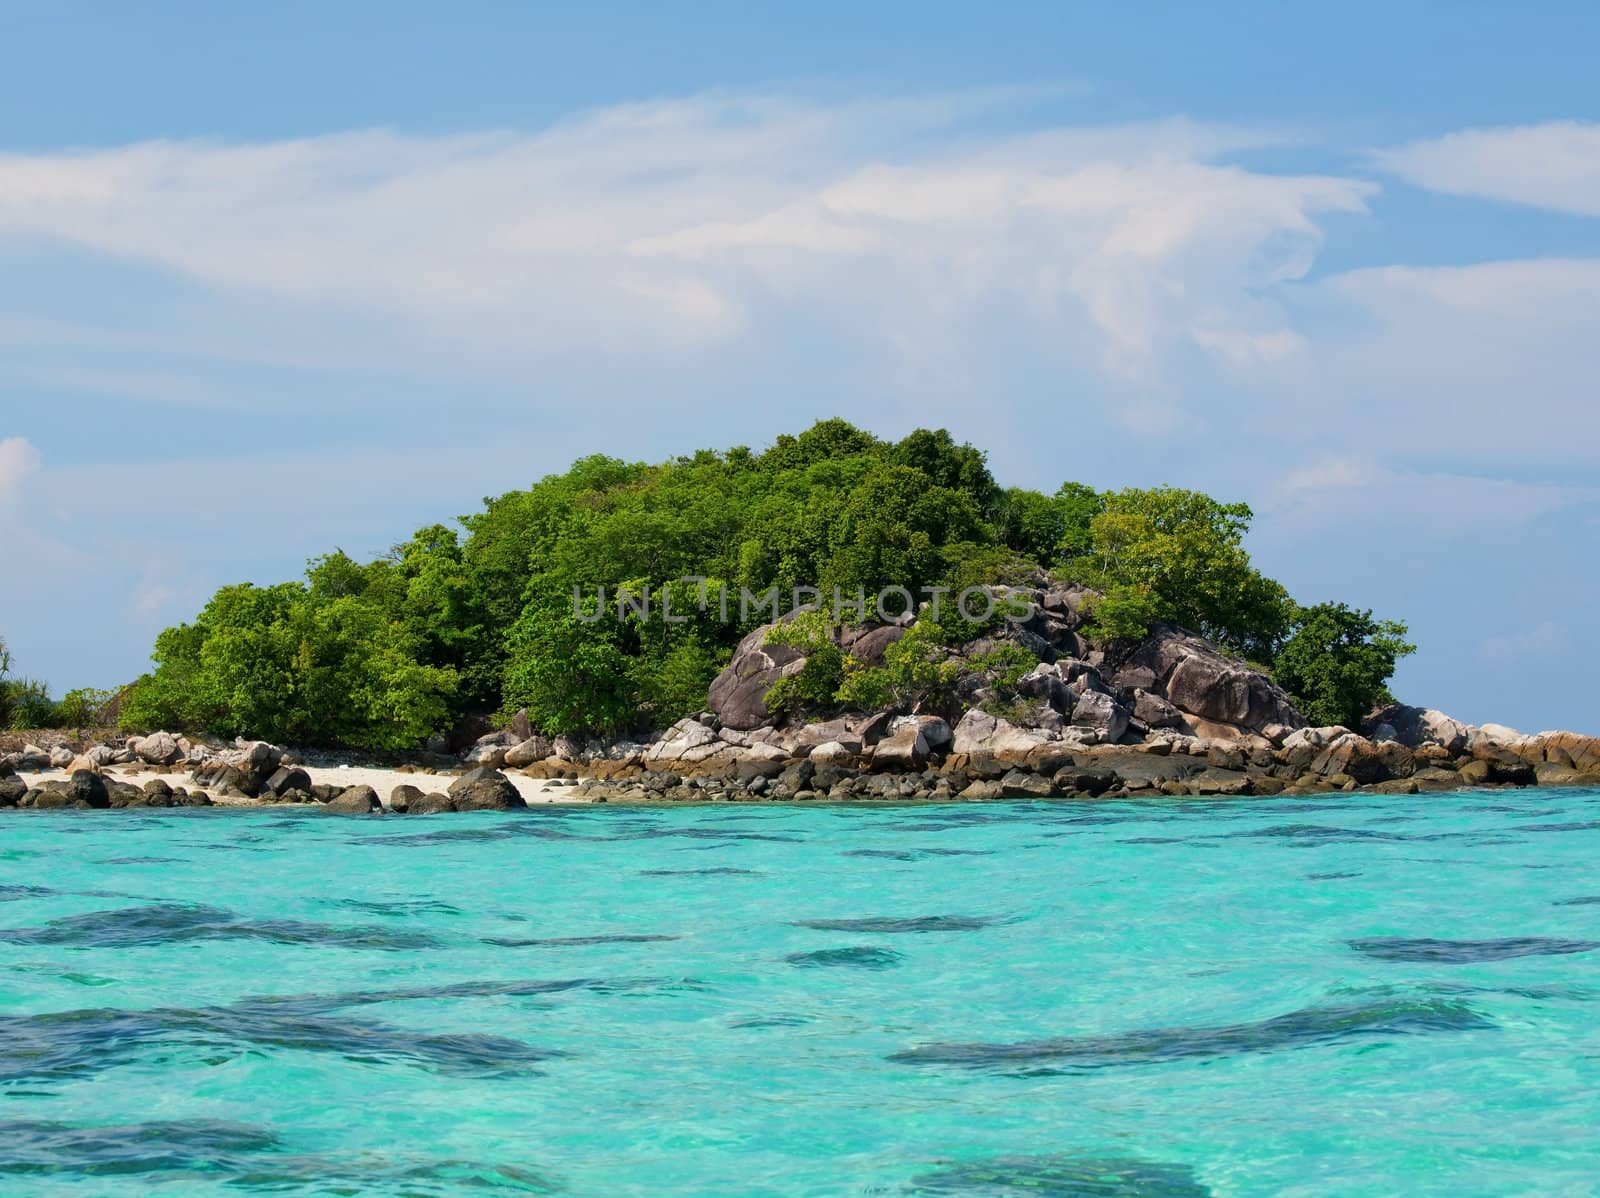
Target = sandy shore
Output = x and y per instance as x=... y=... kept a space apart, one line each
x=532 y=790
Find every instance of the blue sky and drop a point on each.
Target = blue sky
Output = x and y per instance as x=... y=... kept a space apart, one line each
x=275 y=278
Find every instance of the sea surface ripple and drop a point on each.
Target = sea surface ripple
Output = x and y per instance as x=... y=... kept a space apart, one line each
x=1353 y=995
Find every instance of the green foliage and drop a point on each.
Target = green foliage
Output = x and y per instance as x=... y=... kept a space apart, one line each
x=26 y=703
x=480 y=619
x=916 y=668
x=319 y=664
x=1178 y=555
x=82 y=708
x=1337 y=663
x=570 y=675
x=819 y=679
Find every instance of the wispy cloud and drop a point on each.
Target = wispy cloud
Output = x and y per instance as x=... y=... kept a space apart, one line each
x=1555 y=165
x=675 y=225
x=1544 y=639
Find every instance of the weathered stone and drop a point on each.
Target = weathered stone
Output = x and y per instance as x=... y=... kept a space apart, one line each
x=738 y=695
x=528 y=750
x=1102 y=713
x=88 y=788
x=1201 y=682
x=159 y=748
x=12 y=788
x=1153 y=711
x=285 y=778
x=430 y=804
x=981 y=733
x=485 y=790
x=402 y=796
x=1025 y=784
x=355 y=800
x=904 y=750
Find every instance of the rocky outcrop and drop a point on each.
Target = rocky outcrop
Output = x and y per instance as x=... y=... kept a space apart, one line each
x=738 y=695
x=1206 y=686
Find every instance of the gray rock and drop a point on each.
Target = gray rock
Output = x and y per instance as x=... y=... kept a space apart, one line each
x=485 y=790
x=12 y=788
x=401 y=797
x=285 y=779
x=354 y=800
x=738 y=695
x=430 y=804
x=1102 y=713
x=528 y=750
x=159 y=748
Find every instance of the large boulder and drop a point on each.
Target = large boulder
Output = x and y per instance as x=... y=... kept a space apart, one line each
x=913 y=740
x=485 y=790
x=89 y=789
x=12 y=788
x=738 y=695
x=60 y=757
x=1153 y=711
x=1102 y=713
x=287 y=778
x=982 y=733
x=688 y=741
x=430 y=804
x=355 y=800
x=1201 y=682
x=159 y=748
x=1414 y=727
x=525 y=752
x=490 y=751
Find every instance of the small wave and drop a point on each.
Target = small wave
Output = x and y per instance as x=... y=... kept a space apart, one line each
x=1298 y=1029
x=1466 y=952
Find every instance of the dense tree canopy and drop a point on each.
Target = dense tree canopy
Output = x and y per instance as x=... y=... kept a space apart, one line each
x=450 y=623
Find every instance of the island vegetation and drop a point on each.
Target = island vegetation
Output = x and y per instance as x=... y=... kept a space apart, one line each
x=480 y=618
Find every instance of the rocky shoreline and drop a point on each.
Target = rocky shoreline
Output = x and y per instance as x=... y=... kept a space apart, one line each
x=850 y=759
x=1170 y=715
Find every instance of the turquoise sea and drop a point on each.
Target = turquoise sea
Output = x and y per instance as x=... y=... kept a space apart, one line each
x=1350 y=995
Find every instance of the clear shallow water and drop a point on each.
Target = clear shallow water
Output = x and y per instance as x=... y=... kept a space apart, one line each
x=1361 y=995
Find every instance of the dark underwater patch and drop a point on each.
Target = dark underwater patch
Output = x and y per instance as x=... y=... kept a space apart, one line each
x=578 y=941
x=915 y=854
x=174 y=923
x=179 y=1146
x=143 y=861
x=82 y=1043
x=249 y=1157
x=12 y=894
x=1298 y=1029
x=397 y=907
x=856 y=957
x=710 y=871
x=1583 y=900
x=1467 y=952
x=1332 y=877
x=1582 y=825
x=891 y=925
x=1310 y=834
x=1062 y=1177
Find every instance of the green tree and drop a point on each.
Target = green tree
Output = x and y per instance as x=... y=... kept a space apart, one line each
x=1337 y=663
x=1178 y=555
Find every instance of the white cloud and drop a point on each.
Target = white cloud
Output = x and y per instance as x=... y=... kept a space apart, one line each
x=1545 y=639
x=1341 y=492
x=1554 y=165
x=673 y=226
x=18 y=460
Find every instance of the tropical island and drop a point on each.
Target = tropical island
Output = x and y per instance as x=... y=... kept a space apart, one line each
x=837 y=616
